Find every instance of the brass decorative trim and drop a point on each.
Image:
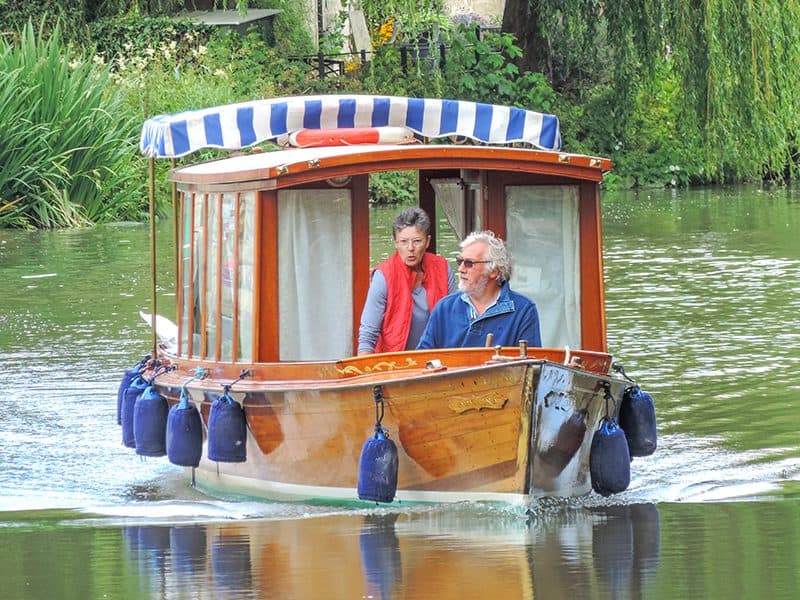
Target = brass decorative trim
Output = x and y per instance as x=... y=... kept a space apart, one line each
x=462 y=404
x=377 y=367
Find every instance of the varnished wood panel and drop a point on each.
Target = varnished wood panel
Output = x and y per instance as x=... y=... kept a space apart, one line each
x=266 y=307
x=373 y=367
x=593 y=321
x=265 y=426
x=314 y=437
x=311 y=433
x=493 y=203
x=293 y=167
x=360 y=248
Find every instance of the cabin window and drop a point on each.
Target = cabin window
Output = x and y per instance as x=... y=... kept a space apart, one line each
x=315 y=272
x=185 y=267
x=542 y=235
x=194 y=275
x=216 y=279
x=211 y=276
x=244 y=255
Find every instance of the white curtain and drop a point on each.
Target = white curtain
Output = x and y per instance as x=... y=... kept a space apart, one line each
x=247 y=211
x=542 y=232
x=449 y=193
x=314 y=274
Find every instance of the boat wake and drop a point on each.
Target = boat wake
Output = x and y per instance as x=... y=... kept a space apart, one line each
x=686 y=469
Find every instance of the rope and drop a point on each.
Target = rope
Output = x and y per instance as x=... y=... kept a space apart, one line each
x=226 y=387
x=619 y=368
x=607 y=396
x=159 y=369
x=377 y=395
x=199 y=373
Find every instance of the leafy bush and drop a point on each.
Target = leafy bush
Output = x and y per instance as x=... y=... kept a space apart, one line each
x=185 y=71
x=651 y=144
x=481 y=69
x=393 y=187
x=65 y=159
x=15 y=14
x=132 y=36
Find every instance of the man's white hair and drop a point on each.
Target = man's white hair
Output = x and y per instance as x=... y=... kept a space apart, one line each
x=498 y=253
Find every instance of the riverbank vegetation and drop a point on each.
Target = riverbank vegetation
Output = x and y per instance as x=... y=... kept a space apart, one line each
x=67 y=138
x=679 y=94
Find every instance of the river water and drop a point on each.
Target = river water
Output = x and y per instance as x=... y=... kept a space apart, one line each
x=703 y=296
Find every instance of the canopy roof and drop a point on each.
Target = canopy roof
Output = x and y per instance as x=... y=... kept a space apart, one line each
x=241 y=125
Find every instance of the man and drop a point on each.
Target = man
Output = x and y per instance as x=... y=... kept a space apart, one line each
x=486 y=303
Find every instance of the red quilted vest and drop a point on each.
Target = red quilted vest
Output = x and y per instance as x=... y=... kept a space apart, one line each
x=399 y=305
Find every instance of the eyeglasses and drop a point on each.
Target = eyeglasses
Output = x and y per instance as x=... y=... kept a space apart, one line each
x=415 y=243
x=468 y=262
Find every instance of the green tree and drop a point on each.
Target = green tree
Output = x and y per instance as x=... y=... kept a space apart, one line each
x=736 y=63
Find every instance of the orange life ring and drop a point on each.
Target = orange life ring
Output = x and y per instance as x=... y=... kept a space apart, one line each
x=309 y=138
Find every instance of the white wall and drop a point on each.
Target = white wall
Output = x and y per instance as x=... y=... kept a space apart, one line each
x=330 y=8
x=491 y=10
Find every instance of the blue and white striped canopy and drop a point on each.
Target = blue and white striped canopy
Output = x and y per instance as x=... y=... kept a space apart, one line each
x=241 y=125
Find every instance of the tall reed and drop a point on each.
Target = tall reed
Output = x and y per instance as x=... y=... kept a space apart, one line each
x=68 y=143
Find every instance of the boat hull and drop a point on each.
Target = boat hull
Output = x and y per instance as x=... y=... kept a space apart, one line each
x=503 y=431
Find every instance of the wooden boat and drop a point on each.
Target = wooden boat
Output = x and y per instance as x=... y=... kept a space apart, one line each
x=273 y=266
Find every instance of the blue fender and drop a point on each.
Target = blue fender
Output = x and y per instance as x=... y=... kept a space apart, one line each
x=637 y=418
x=609 y=459
x=377 y=469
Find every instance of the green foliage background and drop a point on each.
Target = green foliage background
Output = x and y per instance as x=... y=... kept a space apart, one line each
x=674 y=93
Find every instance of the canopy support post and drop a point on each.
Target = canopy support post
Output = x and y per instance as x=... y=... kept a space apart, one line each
x=152 y=194
x=176 y=224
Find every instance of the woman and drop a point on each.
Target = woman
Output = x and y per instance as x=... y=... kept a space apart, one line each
x=404 y=288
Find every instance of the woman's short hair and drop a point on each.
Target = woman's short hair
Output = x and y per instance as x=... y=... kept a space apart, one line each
x=498 y=253
x=411 y=217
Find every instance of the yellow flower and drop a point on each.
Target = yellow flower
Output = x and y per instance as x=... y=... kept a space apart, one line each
x=352 y=64
x=385 y=32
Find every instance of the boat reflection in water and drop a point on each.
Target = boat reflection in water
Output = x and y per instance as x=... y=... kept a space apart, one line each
x=588 y=552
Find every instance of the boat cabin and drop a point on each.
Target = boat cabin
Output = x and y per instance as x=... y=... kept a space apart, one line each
x=274 y=247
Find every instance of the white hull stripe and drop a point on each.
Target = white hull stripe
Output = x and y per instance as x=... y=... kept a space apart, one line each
x=271 y=490
x=237 y=126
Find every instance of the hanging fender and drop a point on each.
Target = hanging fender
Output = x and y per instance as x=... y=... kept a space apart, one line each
x=637 y=417
x=378 y=465
x=227 y=431
x=609 y=459
x=184 y=434
x=150 y=423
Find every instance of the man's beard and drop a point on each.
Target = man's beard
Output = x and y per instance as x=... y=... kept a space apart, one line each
x=474 y=288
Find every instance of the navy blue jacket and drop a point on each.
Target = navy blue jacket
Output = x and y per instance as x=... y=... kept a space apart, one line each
x=511 y=319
